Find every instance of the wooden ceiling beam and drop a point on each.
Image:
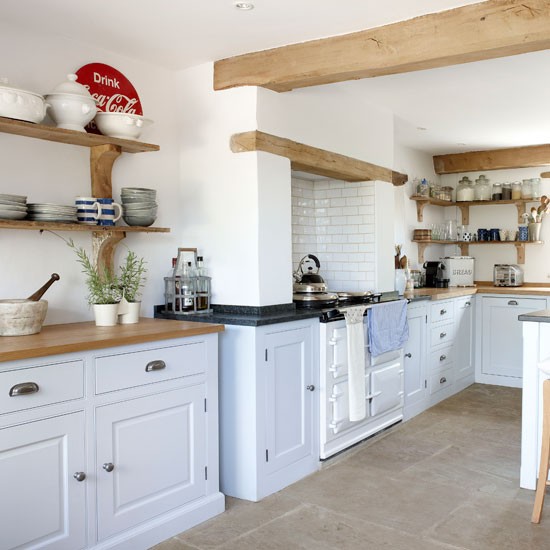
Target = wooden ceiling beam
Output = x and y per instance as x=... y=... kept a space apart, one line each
x=312 y=160
x=487 y=30
x=497 y=159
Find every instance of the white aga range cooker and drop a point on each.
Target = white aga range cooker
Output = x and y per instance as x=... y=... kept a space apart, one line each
x=384 y=387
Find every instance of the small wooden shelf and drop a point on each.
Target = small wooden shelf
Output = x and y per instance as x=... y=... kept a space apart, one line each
x=57 y=226
x=71 y=137
x=464 y=206
x=464 y=247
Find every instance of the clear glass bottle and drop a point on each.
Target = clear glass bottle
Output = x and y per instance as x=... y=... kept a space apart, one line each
x=483 y=189
x=187 y=288
x=526 y=189
x=170 y=287
x=497 y=192
x=465 y=190
x=516 y=190
x=506 y=191
x=202 y=285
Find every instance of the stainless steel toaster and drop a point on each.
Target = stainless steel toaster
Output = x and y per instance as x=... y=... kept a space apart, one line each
x=507 y=275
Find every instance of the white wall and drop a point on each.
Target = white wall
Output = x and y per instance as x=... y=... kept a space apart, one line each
x=52 y=172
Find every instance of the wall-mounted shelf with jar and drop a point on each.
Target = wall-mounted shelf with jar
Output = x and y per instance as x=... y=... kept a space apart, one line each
x=104 y=151
x=464 y=206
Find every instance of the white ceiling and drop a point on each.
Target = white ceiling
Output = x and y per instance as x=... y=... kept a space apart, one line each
x=497 y=103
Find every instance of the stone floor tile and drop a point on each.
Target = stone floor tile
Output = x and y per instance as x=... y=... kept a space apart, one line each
x=314 y=528
x=240 y=517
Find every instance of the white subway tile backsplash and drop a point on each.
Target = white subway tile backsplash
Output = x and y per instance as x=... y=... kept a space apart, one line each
x=335 y=221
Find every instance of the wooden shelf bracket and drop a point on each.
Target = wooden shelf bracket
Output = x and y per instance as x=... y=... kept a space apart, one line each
x=103 y=248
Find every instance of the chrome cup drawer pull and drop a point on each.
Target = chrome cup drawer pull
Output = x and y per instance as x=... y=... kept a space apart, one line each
x=159 y=364
x=442 y=380
x=24 y=388
x=512 y=303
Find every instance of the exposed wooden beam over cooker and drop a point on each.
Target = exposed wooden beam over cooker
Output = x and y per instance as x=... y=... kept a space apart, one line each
x=320 y=162
x=497 y=159
x=487 y=30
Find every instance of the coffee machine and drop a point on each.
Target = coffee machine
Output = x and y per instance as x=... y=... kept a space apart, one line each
x=435 y=275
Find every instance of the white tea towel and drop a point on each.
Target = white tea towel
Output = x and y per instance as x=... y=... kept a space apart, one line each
x=356 y=362
x=387 y=325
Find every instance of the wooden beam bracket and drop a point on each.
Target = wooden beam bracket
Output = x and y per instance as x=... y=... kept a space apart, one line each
x=320 y=162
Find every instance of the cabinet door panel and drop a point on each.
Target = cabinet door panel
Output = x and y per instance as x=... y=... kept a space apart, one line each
x=414 y=363
x=39 y=459
x=288 y=401
x=464 y=338
x=502 y=348
x=157 y=446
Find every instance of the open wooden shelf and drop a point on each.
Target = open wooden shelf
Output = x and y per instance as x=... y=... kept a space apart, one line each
x=71 y=137
x=58 y=226
x=104 y=151
x=464 y=247
x=464 y=206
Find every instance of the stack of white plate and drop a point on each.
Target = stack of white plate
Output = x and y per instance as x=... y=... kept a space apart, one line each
x=139 y=205
x=52 y=213
x=13 y=207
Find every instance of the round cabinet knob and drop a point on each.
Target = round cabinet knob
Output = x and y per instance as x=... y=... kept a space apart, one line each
x=443 y=311
x=409 y=355
x=108 y=466
x=311 y=387
x=443 y=334
x=79 y=476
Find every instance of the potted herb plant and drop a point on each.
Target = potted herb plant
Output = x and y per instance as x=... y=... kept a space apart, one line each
x=132 y=279
x=104 y=288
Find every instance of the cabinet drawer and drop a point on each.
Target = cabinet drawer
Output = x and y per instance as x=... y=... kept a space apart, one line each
x=126 y=370
x=441 y=358
x=441 y=335
x=442 y=311
x=46 y=384
x=441 y=380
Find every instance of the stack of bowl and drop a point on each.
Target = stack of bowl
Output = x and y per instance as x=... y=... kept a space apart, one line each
x=138 y=206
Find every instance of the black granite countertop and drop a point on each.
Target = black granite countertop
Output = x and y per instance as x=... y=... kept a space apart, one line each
x=542 y=316
x=252 y=316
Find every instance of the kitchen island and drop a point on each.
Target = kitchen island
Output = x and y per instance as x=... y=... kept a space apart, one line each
x=108 y=435
x=536 y=348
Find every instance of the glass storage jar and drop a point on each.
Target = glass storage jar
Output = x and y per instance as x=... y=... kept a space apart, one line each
x=483 y=189
x=516 y=190
x=497 y=192
x=465 y=190
x=535 y=187
x=526 y=189
x=506 y=191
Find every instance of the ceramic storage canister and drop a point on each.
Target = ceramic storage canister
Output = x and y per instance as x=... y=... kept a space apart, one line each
x=483 y=189
x=465 y=190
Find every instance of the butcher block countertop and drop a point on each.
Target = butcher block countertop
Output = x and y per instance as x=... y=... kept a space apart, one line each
x=456 y=292
x=74 y=337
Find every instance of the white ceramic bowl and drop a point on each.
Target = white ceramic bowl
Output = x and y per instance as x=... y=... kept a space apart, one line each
x=71 y=111
x=22 y=317
x=139 y=205
x=121 y=125
x=21 y=105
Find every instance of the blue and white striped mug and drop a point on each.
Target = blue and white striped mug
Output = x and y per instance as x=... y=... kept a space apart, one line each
x=108 y=216
x=88 y=210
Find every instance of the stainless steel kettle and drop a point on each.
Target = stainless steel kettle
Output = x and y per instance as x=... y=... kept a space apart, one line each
x=309 y=281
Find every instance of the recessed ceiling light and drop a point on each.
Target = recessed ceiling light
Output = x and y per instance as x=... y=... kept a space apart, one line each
x=244 y=6
x=421 y=128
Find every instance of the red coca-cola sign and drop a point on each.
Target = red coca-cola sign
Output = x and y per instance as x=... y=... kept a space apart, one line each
x=111 y=89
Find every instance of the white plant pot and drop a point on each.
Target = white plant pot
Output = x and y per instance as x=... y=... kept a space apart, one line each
x=131 y=314
x=106 y=315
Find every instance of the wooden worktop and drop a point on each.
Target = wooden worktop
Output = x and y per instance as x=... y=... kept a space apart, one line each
x=455 y=292
x=74 y=337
